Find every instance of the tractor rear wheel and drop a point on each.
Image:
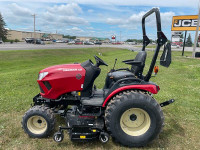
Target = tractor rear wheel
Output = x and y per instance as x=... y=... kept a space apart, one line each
x=38 y=122
x=134 y=118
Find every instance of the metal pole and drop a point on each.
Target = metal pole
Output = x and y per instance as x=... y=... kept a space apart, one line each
x=184 y=43
x=171 y=35
x=34 y=27
x=196 y=35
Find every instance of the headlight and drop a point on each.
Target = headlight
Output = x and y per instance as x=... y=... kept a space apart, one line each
x=42 y=75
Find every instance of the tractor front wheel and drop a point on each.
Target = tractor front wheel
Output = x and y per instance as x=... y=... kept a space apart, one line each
x=38 y=121
x=134 y=118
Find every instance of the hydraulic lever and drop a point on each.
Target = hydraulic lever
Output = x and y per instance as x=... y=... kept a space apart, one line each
x=112 y=70
x=114 y=63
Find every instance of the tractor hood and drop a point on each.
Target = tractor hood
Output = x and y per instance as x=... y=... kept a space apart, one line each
x=60 y=79
x=63 y=68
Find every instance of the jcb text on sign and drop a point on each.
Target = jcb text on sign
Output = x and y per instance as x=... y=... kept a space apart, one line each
x=183 y=23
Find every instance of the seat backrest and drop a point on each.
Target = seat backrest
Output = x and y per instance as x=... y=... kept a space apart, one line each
x=140 y=57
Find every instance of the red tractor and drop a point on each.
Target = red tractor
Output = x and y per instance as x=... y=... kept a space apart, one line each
x=124 y=108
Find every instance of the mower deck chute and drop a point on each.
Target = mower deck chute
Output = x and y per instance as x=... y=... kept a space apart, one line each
x=124 y=109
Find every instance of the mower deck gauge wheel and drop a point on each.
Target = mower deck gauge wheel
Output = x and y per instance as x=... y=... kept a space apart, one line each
x=58 y=137
x=104 y=137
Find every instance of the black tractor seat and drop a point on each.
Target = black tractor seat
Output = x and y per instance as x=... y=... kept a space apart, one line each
x=137 y=66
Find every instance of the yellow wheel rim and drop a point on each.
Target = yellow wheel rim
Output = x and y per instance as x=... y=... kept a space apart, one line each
x=37 y=124
x=135 y=121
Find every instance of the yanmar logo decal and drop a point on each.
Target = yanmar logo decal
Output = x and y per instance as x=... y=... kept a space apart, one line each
x=184 y=23
x=69 y=69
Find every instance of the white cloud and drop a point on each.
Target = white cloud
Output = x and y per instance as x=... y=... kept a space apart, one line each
x=77 y=29
x=52 y=18
x=159 y=3
x=89 y=28
x=135 y=20
x=66 y=9
x=20 y=11
x=64 y=15
x=90 y=10
x=113 y=21
x=166 y=18
x=72 y=20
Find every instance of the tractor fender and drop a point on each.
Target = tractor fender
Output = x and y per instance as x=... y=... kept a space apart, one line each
x=148 y=87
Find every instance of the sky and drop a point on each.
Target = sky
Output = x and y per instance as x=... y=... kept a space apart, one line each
x=94 y=18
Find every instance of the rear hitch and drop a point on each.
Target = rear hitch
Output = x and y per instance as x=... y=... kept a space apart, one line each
x=167 y=102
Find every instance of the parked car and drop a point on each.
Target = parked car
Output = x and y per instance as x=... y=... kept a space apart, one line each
x=65 y=41
x=39 y=41
x=71 y=42
x=117 y=43
x=79 y=43
x=175 y=46
x=59 y=41
x=88 y=43
x=1 y=41
x=97 y=43
x=30 y=40
x=132 y=43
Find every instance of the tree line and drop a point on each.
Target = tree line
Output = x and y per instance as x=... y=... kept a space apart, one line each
x=3 y=31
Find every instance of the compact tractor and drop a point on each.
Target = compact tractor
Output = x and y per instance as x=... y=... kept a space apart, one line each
x=124 y=109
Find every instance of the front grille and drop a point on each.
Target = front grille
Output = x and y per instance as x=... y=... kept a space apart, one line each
x=41 y=90
x=47 y=84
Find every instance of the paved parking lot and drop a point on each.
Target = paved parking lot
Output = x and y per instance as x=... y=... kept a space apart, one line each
x=25 y=46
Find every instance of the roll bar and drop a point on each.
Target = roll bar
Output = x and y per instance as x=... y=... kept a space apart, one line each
x=161 y=39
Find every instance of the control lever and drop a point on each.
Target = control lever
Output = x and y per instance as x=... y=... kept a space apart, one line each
x=114 y=63
x=112 y=70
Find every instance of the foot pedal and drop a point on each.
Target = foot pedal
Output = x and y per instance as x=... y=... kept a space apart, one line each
x=167 y=102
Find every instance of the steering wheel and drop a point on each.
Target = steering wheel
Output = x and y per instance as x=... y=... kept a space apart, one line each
x=99 y=61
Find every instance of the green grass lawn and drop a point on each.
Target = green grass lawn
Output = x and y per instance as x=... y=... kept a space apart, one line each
x=19 y=72
x=149 y=46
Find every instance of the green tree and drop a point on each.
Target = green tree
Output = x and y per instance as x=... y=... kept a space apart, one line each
x=168 y=41
x=3 y=31
x=69 y=37
x=189 y=41
x=134 y=40
x=129 y=40
x=181 y=36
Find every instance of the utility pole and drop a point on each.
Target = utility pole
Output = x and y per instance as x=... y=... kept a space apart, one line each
x=184 y=43
x=196 y=35
x=34 y=26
